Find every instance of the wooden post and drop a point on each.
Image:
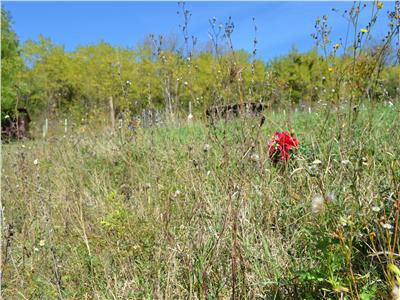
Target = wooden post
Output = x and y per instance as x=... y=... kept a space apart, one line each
x=45 y=127
x=112 y=113
x=190 y=116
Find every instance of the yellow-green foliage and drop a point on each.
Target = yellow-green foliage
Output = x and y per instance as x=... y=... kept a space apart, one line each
x=82 y=81
x=11 y=65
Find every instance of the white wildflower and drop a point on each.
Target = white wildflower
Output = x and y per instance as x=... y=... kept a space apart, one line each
x=206 y=147
x=387 y=226
x=177 y=193
x=346 y=161
x=376 y=209
x=317 y=162
x=36 y=161
x=42 y=243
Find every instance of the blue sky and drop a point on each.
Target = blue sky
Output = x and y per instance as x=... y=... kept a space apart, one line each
x=280 y=24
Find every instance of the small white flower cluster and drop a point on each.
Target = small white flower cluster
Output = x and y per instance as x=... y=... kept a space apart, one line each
x=387 y=226
x=376 y=209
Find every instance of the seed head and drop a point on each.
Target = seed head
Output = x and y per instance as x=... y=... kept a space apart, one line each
x=330 y=197
x=255 y=157
x=317 y=204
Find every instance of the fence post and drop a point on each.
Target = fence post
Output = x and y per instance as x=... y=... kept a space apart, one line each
x=190 y=116
x=45 y=128
x=112 y=113
x=120 y=124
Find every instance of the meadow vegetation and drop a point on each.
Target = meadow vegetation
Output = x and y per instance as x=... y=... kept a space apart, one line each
x=185 y=211
x=192 y=210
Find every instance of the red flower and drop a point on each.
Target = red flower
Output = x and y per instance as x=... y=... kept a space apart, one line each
x=280 y=146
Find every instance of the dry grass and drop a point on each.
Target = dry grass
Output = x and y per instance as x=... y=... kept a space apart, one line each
x=157 y=215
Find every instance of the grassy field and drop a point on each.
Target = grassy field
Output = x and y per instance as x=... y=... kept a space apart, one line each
x=192 y=211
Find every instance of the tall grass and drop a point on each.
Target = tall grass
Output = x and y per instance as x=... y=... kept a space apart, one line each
x=195 y=211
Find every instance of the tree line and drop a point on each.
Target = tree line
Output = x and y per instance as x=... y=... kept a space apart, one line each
x=44 y=78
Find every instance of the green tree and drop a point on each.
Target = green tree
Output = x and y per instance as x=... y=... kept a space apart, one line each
x=11 y=65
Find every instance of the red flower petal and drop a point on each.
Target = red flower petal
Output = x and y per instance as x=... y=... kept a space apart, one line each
x=280 y=145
